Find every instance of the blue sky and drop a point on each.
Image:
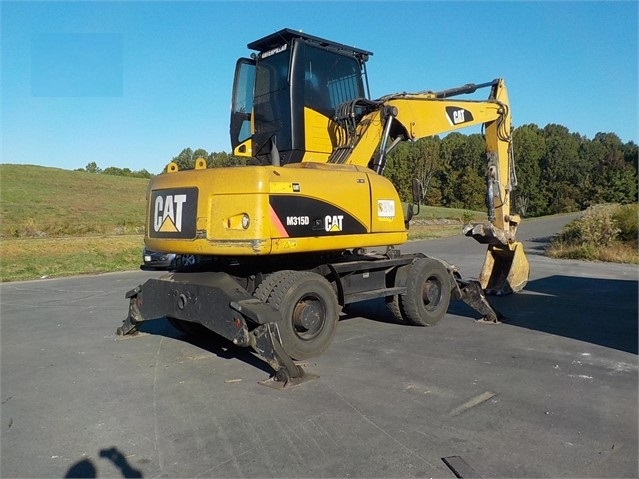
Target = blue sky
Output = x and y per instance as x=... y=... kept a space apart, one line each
x=130 y=84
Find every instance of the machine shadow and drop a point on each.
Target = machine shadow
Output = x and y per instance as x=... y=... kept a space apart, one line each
x=372 y=309
x=376 y=310
x=208 y=341
x=595 y=310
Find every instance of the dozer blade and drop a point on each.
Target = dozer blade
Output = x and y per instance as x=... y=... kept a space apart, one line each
x=505 y=269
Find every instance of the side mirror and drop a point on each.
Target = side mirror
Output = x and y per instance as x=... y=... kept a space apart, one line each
x=418 y=196
x=418 y=191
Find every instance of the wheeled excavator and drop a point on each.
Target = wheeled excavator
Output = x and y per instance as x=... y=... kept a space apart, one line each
x=310 y=224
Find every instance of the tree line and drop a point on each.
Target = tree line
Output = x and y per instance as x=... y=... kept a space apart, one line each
x=92 y=167
x=557 y=171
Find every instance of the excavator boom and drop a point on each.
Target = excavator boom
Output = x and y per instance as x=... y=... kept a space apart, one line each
x=367 y=138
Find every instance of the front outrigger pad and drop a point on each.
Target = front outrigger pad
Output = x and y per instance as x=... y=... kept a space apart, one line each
x=471 y=293
x=287 y=374
x=281 y=380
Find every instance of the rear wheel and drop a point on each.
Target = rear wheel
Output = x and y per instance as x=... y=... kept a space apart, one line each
x=265 y=288
x=186 y=261
x=428 y=290
x=310 y=312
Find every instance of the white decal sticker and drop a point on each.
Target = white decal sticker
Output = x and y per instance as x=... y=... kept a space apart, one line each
x=297 y=221
x=386 y=208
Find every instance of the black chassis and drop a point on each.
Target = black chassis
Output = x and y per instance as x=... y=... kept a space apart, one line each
x=221 y=298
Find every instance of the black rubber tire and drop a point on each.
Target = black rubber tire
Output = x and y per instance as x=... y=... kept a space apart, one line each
x=265 y=288
x=428 y=290
x=186 y=261
x=392 y=303
x=310 y=312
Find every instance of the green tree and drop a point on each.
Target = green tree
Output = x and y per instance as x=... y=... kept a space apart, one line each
x=448 y=176
x=427 y=165
x=222 y=159
x=471 y=192
x=143 y=173
x=463 y=160
x=529 y=148
x=399 y=169
x=563 y=171
x=614 y=179
x=200 y=153
x=92 y=167
x=185 y=160
x=630 y=151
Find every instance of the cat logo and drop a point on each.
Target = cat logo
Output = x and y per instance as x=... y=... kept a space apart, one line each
x=457 y=116
x=173 y=213
x=168 y=213
x=333 y=223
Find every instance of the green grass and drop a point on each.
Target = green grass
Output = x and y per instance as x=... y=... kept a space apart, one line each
x=37 y=202
x=439 y=222
x=439 y=212
x=32 y=258
x=58 y=222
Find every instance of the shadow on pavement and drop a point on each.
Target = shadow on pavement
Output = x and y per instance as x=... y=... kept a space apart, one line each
x=595 y=310
x=208 y=341
x=86 y=468
x=373 y=309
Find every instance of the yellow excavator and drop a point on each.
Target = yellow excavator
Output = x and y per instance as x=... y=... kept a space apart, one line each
x=310 y=224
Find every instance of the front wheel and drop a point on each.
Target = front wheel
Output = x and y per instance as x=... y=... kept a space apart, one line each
x=427 y=296
x=310 y=312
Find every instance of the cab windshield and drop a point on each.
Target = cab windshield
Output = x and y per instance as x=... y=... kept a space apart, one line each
x=330 y=79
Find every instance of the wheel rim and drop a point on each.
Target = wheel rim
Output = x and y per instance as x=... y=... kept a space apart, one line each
x=309 y=317
x=432 y=293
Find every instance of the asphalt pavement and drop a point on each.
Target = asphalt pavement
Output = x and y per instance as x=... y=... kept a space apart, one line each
x=552 y=392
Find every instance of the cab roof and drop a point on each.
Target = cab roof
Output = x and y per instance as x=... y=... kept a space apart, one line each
x=286 y=35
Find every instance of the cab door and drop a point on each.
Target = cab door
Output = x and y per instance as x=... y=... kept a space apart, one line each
x=242 y=107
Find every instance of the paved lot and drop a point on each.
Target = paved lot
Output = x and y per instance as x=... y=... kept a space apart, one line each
x=550 y=393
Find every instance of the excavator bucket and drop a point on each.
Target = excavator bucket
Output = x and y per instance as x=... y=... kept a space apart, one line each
x=505 y=269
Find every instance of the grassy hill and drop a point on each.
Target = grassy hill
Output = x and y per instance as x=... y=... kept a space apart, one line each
x=37 y=201
x=57 y=222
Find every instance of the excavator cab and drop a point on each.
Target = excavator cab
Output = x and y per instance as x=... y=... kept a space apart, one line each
x=285 y=95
